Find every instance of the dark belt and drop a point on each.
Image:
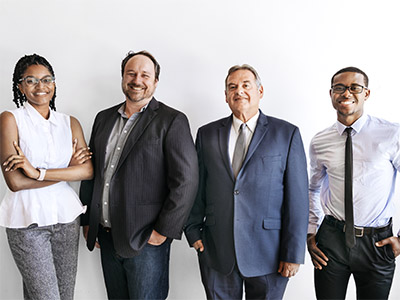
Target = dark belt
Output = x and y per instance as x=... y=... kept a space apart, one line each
x=360 y=231
x=106 y=229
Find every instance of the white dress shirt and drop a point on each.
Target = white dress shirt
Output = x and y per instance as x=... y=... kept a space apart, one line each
x=251 y=126
x=376 y=159
x=46 y=144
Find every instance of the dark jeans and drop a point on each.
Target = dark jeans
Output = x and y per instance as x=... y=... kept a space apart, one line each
x=144 y=276
x=372 y=267
x=219 y=286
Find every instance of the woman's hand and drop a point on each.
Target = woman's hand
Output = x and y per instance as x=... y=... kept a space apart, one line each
x=79 y=156
x=19 y=161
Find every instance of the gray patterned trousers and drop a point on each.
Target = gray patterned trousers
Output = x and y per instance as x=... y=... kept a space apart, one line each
x=47 y=259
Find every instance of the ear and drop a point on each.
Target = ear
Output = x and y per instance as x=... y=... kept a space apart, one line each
x=261 y=91
x=330 y=93
x=226 y=95
x=367 y=93
x=20 y=88
x=155 y=82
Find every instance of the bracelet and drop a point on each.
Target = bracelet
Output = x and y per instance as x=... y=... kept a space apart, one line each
x=41 y=175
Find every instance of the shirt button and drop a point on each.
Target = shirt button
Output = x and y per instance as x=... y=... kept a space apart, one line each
x=119 y=148
x=107 y=184
x=112 y=166
x=236 y=192
x=125 y=131
x=105 y=221
x=105 y=203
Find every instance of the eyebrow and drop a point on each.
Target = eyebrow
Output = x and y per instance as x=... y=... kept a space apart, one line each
x=246 y=81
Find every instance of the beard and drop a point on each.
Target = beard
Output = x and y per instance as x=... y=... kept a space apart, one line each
x=137 y=96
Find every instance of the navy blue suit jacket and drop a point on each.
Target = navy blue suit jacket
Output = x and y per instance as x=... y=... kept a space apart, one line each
x=261 y=217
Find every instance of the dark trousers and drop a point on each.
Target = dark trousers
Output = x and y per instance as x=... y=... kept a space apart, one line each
x=144 y=276
x=372 y=267
x=219 y=286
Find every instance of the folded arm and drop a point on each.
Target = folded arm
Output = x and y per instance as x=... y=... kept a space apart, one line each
x=18 y=171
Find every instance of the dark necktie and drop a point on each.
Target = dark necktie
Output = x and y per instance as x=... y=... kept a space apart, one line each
x=348 y=191
x=240 y=149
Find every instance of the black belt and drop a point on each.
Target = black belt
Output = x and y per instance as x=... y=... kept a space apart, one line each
x=360 y=231
x=106 y=229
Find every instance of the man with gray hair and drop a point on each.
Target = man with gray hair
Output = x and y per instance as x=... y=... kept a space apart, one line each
x=250 y=216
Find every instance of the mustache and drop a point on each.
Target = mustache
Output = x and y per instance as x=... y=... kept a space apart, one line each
x=135 y=85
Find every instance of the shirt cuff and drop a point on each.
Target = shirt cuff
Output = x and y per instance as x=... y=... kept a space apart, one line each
x=312 y=229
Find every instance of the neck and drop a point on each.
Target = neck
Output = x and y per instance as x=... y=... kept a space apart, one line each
x=44 y=110
x=348 y=120
x=245 y=116
x=134 y=107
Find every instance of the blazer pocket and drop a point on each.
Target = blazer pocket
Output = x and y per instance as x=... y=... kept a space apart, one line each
x=272 y=224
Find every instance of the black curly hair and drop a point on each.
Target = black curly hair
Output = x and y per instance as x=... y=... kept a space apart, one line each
x=20 y=68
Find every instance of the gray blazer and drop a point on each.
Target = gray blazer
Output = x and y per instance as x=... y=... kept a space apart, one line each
x=155 y=181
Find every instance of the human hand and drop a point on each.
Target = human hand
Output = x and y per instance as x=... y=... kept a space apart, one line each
x=287 y=269
x=156 y=239
x=393 y=241
x=318 y=258
x=79 y=156
x=85 y=231
x=19 y=161
x=198 y=246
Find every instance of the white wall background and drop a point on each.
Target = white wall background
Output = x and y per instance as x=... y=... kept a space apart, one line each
x=296 y=46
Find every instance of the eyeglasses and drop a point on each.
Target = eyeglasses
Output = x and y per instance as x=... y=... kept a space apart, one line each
x=32 y=81
x=353 y=89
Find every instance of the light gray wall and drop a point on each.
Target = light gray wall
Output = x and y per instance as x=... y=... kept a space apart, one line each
x=295 y=45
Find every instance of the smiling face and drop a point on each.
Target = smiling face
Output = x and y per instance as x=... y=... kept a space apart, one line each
x=242 y=94
x=38 y=95
x=349 y=107
x=138 y=81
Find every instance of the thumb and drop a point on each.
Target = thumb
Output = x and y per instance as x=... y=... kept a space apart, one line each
x=382 y=243
x=280 y=268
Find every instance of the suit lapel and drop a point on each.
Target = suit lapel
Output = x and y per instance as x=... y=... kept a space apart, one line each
x=138 y=130
x=223 y=135
x=259 y=133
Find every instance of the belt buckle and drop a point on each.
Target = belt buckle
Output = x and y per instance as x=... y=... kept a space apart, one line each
x=361 y=230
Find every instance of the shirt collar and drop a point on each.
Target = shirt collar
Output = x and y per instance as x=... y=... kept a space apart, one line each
x=357 y=125
x=251 y=123
x=121 y=110
x=37 y=118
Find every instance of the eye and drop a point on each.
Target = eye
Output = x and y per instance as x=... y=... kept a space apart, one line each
x=356 y=88
x=339 y=88
x=47 y=80
x=31 y=80
x=247 y=85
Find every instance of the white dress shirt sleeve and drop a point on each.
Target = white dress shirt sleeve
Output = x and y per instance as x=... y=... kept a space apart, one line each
x=317 y=177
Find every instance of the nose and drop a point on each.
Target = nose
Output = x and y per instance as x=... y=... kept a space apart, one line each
x=137 y=80
x=39 y=84
x=240 y=91
x=347 y=93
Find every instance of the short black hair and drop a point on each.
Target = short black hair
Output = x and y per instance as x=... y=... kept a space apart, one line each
x=19 y=70
x=131 y=54
x=353 y=70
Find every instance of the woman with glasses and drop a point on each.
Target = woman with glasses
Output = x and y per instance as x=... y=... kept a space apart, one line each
x=40 y=151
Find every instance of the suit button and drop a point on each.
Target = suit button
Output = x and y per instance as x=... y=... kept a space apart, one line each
x=236 y=192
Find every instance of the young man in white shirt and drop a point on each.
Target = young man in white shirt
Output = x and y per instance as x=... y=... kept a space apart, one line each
x=368 y=252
